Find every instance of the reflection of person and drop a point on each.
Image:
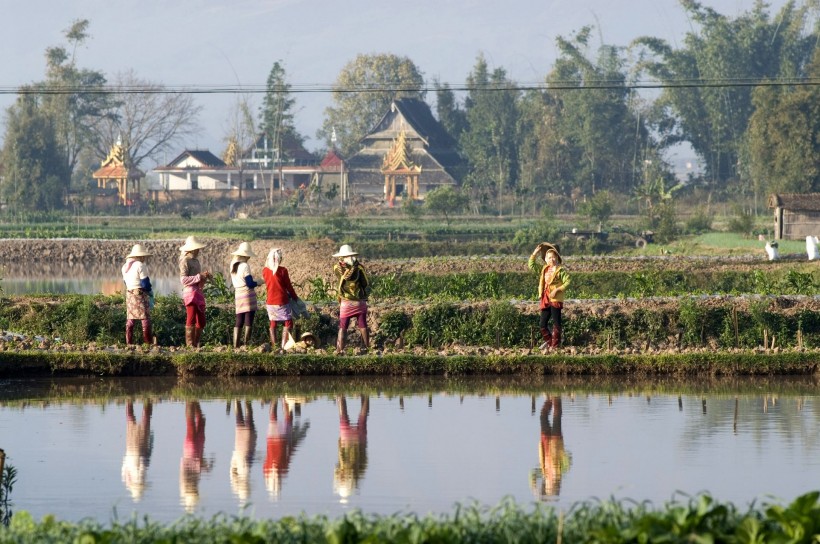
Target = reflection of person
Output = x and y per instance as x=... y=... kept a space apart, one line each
x=352 y=449
x=193 y=280
x=193 y=462
x=138 y=445
x=552 y=282
x=243 y=449
x=284 y=437
x=352 y=291
x=279 y=293
x=553 y=458
x=138 y=294
x=244 y=293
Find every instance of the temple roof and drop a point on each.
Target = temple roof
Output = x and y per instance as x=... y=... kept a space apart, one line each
x=418 y=114
x=202 y=156
x=114 y=165
x=331 y=161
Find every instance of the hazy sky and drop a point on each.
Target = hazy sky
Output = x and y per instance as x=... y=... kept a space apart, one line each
x=211 y=42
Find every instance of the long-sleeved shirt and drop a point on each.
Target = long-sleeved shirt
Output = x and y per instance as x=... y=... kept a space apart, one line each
x=550 y=278
x=352 y=281
x=280 y=290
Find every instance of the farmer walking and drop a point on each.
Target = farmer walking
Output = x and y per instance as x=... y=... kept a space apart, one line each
x=553 y=280
x=280 y=292
x=193 y=279
x=244 y=293
x=353 y=288
x=138 y=294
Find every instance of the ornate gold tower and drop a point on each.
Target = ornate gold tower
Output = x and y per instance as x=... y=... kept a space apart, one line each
x=398 y=162
x=115 y=169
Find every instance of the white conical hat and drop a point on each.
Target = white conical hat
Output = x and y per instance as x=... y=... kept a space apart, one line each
x=345 y=251
x=138 y=251
x=244 y=250
x=191 y=244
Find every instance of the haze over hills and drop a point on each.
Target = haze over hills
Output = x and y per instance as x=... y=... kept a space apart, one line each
x=210 y=43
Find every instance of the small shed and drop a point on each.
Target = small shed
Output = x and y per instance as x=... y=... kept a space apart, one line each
x=795 y=215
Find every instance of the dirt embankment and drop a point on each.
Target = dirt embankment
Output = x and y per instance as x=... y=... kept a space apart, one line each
x=306 y=260
x=55 y=257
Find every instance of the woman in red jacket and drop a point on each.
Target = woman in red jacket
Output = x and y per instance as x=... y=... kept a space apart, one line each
x=280 y=293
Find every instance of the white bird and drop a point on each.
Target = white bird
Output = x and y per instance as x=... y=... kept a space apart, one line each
x=811 y=247
x=771 y=251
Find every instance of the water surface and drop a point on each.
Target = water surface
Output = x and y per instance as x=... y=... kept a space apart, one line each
x=105 y=448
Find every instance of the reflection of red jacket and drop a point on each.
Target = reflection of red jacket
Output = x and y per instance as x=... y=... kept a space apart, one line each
x=278 y=285
x=280 y=446
x=351 y=434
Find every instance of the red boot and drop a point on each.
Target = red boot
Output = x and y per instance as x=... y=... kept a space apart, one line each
x=545 y=334
x=555 y=341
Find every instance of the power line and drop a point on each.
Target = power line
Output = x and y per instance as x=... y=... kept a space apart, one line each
x=325 y=88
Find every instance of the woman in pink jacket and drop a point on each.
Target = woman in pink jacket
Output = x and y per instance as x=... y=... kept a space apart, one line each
x=193 y=279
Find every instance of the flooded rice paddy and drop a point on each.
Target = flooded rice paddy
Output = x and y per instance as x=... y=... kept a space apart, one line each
x=271 y=447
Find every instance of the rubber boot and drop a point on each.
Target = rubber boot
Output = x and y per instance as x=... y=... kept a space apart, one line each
x=365 y=338
x=197 y=336
x=236 y=337
x=189 y=337
x=272 y=334
x=340 y=342
x=147 y=337
x=556 y=337
x=246 y=335
x=129 y=331
x=545 y=334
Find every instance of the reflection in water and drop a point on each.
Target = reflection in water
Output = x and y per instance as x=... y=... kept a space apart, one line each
x=762 y=427
x=139 y=441
x=243 y=449
x=352 y=449
x=193 y=462
x=284 y=436
x=553 y=458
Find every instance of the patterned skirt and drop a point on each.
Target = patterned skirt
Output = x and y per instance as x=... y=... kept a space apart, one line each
x=352 y=308
x=245 y=301
x=279 y=313
x=136 y=305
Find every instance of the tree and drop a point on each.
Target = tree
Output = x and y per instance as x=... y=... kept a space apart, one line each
x=148 y=120
x=546 y=157
x=32 y=159
x=714 y=118
x=276 y=112
x=450 y=115
x=242 y=135
x=362 y=94
x=598 y=135
x=490 y=140
x=598 y=208
x=74 y=97
x=444 y=200
x=784 y=136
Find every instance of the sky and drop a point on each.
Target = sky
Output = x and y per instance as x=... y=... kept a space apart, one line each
x=235 y=43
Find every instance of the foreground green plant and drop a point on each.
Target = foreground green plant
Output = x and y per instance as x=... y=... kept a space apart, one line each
x=699 y=519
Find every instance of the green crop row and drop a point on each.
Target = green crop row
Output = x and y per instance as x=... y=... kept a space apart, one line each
x=523 y=285
x=700 y=519
x=685 y=322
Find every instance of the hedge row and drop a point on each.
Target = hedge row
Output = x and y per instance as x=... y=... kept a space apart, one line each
x=700 y=519
x=205 y=363
x=594 y=285
x=673 y=323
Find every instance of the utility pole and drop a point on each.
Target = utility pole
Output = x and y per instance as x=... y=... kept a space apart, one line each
x=341 y=171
